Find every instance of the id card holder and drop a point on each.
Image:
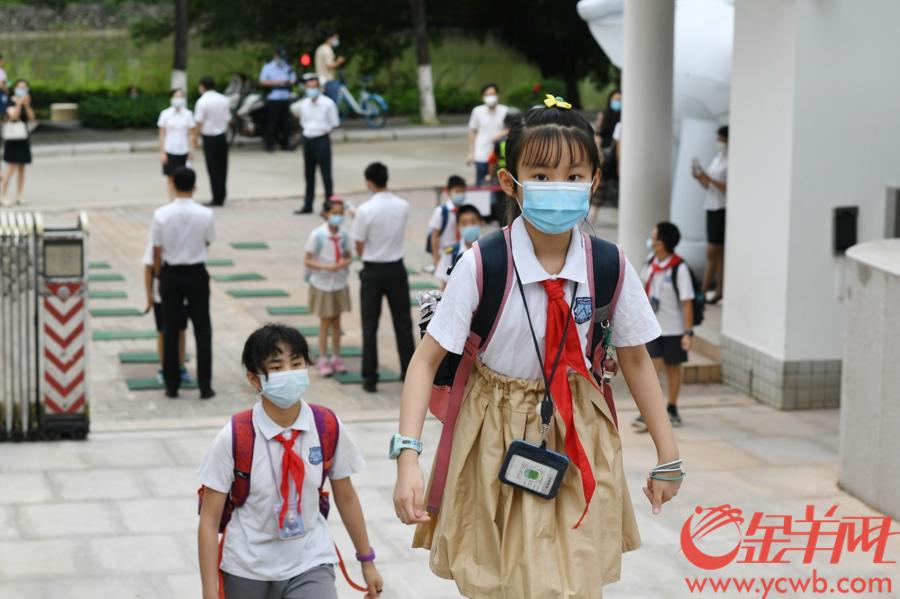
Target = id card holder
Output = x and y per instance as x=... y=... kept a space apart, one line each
x=293 y=527
x=533 y=468
x=654 y=304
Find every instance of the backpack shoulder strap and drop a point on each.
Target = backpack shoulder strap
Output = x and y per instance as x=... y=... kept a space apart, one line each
x=445 y=217
x=320 y=241
x=494 y=279
x=678 y=260
x=328 y=429
x=243 y=436
x=606 y=271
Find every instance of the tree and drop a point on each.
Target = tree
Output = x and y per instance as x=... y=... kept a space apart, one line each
x=180 y=54
x=427 y=107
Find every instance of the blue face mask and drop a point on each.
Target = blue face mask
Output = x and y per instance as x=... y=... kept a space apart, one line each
x=335 y=220
x=616 y=105
x=554 y=207
x=471 y=233
x=649 y=243
x=286 y=387
x=21 y=92
x=312 y=92
x=458 y=199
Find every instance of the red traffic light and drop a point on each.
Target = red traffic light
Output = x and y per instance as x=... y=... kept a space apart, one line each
x=305 y=60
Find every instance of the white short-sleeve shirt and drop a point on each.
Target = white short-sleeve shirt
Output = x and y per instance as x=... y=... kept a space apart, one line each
x=328 y=247
x=318 y=116
x=213 y=111
x=177 y=123
x=380 y=223
x=448 y=236
x=718 y=170
x=670 y=313
x=487 y=124
x=510 y=351
x=183 y=229
x=252 y=546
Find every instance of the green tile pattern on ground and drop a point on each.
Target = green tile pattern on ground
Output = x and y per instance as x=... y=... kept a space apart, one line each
x=347 y=351
x=219 y=262
x=356 y=378
x=422 y=285
x=238 y=276
x=152 y=384
x=122 y=334
x=245 y=293
x=115 y=312
x=142 y=357
x=104 y=277
x=250 y=245
x=107 y=294
x=98 y=265
x=287 y=310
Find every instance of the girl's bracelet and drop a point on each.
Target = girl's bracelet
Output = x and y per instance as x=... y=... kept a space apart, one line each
x=668 y=478
x=369 y=557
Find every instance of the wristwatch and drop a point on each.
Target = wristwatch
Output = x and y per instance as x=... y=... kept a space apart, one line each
x=399 y=443
x=689 y=333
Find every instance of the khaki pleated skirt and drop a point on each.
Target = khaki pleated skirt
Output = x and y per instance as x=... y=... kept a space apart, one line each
x=328 y=304
x=498 y=542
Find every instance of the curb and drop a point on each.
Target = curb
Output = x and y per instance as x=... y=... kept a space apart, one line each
x=341 y=136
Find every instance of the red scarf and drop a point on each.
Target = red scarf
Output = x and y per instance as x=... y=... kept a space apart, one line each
x=558 y=312
x=656 y=268
x=292 y=467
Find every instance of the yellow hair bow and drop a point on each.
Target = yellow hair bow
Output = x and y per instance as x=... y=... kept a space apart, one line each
x=550 y=101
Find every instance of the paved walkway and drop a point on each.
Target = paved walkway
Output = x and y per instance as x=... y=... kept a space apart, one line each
x=115 y=516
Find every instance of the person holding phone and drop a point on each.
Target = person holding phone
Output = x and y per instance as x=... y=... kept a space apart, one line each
x=715 y=181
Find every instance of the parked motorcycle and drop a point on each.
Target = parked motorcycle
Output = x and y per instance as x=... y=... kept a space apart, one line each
x=248 y=111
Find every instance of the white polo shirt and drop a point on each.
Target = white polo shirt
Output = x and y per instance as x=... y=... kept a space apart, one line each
x=511 y=350
x=177 y=123
x=487 y=124
x=380 y=224
x=183 y=228
x=718 y=170
x=213 y=111
x=331 y=247
x=252 y=546
x=317 y=117
x=670 y=313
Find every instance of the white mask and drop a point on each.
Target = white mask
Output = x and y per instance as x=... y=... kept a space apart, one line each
x=722 y=146
x=491 y=100
x=179 y=102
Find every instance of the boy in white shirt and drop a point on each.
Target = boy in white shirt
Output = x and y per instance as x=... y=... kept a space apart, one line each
x=667 y=280
x=442 y=226
x=468 y=229
x=276 y=541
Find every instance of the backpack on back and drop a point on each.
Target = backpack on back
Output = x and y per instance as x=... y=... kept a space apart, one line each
x=243 y=436
x=699 y=300
x=445 y=217
x=494 y=278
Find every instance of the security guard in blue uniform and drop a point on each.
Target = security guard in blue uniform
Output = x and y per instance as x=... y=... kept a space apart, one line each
x=278 y=77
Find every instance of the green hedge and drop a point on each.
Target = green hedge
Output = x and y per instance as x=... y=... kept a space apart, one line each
x=404 y=101
x=120 y=111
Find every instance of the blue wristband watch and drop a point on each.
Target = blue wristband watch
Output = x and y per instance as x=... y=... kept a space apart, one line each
x=399 y=443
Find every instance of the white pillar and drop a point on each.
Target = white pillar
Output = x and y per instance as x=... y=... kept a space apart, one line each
x=646 y=167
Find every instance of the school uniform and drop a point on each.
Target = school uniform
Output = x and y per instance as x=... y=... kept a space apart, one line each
x=329 y=294
x=449 y=236
x=177 y=123
x=495 y=540
x=278 y=99
x=213 y=112
x=660 y=286
x=453 y=255
x=487 y=123
x=380 y=224
x=318 y=118
x=183 y=229
x=714 y=200
x=256 y=562
x=157 y=298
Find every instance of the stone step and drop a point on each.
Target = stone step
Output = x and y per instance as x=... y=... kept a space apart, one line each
x=701 y=369
x=707 y=344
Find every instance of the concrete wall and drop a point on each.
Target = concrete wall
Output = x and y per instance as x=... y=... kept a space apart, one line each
x=813 y=127
x=870 y=412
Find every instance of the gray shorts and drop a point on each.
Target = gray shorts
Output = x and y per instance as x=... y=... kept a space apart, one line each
x=317 y=583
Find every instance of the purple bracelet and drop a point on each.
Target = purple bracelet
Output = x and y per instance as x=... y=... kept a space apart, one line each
x=366 y=558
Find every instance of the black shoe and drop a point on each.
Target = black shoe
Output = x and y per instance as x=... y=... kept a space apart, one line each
x=172 y=394
x=207 y=394
x=214 y=204
x=370 y=387
x=303 y=211
x=674 y=418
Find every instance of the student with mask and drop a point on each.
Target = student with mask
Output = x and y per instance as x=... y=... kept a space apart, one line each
x=485 y=127
x=177 y=136
x=442 y=226
x=469 y=223
x=318 y=118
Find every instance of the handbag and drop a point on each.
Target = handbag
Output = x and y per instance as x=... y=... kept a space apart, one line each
x=15 y=131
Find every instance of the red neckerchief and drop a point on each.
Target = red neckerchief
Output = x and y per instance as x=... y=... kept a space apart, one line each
x=655 y=268
x=292 y=467
x=336 y=240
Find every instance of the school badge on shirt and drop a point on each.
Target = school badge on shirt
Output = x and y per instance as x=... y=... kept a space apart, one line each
x=315 y=455
x=582 y=310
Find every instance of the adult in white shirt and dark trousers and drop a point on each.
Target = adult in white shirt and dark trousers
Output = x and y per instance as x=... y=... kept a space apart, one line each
x=177 y=136
x=182 y=230
x=378 y=231
x=318 y=118
x=715 y=181
x=278 y=77
x=212 y=113
x=485 y=127
x=326 y=66
x=667 y=281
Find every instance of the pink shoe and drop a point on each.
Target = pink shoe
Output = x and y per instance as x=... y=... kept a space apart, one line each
x=324 y=367
x=338 y=365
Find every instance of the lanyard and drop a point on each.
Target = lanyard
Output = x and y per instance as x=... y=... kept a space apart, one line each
x=547 y=402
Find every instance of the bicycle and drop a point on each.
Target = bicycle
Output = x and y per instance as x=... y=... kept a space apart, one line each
x=372 y=107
